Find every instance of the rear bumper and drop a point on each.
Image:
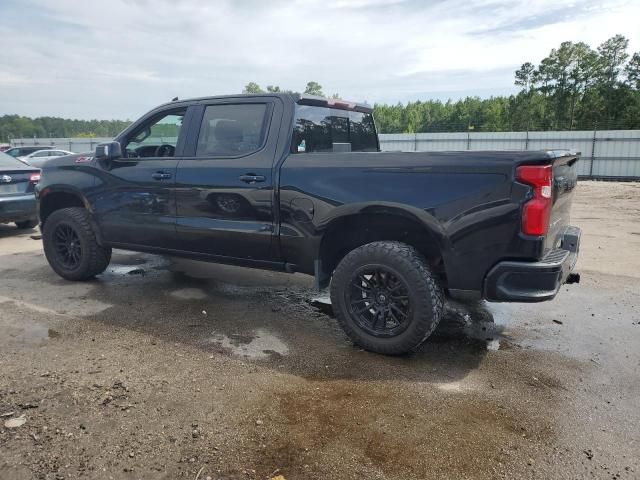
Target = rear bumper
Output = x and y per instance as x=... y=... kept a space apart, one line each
x=18 y=208
x=512 y=281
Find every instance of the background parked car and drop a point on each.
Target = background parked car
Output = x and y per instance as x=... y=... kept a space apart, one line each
x=4 y=146
x=16 y=152
x=17 y=198
x=39 y=157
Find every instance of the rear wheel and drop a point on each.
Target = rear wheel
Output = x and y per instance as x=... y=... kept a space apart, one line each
x=71 y=247
x=386 y=298
x=25 y=224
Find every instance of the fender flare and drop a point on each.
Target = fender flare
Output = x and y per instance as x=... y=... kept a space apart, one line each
x=432 y=227
x=56 y=189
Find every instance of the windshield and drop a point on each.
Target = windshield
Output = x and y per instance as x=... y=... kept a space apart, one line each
x=324 y=129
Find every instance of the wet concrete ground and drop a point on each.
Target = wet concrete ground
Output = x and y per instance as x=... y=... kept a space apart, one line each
x=168 y=369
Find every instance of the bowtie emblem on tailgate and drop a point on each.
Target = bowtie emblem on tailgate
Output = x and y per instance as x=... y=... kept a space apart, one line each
x=6 y=179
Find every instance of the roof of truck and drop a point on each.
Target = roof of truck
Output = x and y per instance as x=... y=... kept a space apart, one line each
x=299 y=98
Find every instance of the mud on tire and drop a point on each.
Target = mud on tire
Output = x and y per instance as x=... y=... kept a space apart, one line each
x=386 y=297
x=71 y=247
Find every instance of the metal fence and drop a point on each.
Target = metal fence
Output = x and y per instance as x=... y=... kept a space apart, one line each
x=77 y=145
x=80 y=145
x=613 y=154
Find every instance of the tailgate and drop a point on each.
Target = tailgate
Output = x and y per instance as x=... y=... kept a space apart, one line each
x=565 y=178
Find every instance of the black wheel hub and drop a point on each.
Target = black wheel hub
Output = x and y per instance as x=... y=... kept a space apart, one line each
x=67 y=246
x=379 y=302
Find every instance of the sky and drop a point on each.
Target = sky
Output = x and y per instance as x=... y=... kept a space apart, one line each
x=118 y=59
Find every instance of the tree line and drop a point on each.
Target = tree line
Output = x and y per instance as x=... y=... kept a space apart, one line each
x=575 y=87
x=16 y=126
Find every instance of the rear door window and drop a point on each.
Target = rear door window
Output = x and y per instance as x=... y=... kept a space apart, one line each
x=324 y=129
x=230 y=130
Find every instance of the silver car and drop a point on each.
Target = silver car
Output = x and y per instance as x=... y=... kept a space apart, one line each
x=39 y=157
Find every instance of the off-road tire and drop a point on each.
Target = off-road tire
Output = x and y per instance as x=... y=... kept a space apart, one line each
x=425 y=295
x=25 y=224
x=94 y=258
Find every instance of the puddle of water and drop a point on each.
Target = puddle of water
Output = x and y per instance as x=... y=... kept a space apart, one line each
x=323 y=303
x=116 y=269
x=259 y=346
x=474 y=321
x=135 y=264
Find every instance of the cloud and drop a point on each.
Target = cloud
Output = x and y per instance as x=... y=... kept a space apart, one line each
x=8 y=79
x=120 y=58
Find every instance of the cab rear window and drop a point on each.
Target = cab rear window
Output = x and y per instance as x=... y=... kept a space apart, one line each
x=324 y=129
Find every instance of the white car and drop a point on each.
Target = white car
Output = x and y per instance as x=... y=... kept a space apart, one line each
x=39 y=157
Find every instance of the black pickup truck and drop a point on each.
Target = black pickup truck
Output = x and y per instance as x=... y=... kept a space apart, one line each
x=298 y=183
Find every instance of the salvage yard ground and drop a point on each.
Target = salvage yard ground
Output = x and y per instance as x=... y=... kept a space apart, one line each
x=166 y=369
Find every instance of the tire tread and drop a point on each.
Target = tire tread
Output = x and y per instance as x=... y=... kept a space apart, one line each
x=427 y=287
x=98 y=256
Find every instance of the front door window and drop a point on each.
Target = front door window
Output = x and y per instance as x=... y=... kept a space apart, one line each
x=157 y=138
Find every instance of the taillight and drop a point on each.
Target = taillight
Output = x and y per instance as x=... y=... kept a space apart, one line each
x=34 y=178
x=537 y=211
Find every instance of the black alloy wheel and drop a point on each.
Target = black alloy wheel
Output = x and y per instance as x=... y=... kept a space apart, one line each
x=71 y=245
x=386 y=297
x=379 y=301
x=67 y=246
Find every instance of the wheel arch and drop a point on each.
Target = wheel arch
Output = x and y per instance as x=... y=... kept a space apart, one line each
x=71 y=244
x=373 y=223
x=52 y=199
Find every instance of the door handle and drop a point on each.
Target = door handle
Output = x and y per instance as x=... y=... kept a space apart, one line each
x=160 y=175
x=250 y=178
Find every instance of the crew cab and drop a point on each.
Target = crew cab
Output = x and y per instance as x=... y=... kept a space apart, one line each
x=298 y=183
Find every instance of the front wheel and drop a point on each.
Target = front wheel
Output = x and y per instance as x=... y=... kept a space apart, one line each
x=386 y=298
x=71 y=247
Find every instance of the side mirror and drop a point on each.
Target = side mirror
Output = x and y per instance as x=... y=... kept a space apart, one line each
x=108 y=151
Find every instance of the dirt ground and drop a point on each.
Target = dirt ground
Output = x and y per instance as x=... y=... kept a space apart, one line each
x=169 y=369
